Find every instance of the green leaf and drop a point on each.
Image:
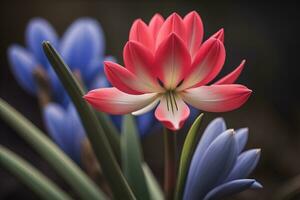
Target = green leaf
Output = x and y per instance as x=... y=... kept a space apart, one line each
x=30 y=176
x=93 y=128
x=186 y=156
x=154 y=188
x=72 y=174
x=132 y=159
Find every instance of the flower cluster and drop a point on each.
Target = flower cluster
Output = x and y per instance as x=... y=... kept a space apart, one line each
x=167 y=64
x=81 y=46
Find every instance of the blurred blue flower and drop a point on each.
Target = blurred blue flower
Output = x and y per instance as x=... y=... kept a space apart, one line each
x=64 y=126
x=218 y=168
x=82 y=47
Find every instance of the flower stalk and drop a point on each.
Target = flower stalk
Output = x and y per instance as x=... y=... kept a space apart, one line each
x=169 y=163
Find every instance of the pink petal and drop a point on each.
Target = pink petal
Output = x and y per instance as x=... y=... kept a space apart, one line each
x=217 y=98
x=140 y=32
x=231 y=77
x=172 y=61
x=172 y=118
x=114 y=101
x=219 y=35
x=155 y=24
x=124 y=80
x=207 y=64
x=194 y=30
x=140 y=61
x=173 y=24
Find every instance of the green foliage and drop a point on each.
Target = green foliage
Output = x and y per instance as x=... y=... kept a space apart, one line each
x=72 y=174
x=30 y=176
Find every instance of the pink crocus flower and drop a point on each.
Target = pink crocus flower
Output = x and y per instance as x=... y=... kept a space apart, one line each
x=166 y=64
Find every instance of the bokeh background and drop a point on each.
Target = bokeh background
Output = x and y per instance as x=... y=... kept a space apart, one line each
x=265 y=34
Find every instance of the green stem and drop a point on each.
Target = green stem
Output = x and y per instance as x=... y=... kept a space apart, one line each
x=170 y=163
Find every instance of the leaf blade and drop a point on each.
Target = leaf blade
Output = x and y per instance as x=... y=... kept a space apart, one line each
x=155 y=190
x=132 y=158
x=30 y=176
x=186 y=156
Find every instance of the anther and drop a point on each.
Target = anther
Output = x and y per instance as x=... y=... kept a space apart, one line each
x=160 y=83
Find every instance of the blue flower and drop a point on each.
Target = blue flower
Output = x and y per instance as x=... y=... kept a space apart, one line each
x=64 y=126
x=82 y=47
x=218 y=169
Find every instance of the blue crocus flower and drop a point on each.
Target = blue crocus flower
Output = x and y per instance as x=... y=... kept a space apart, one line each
x=219 y=168
x=81 y=46
x=64 y=126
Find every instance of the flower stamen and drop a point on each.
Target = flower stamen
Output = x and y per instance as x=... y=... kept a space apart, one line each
x=171 y=101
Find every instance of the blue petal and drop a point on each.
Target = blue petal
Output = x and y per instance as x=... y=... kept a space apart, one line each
x=99 y=82
x=213 y=130
x=117 y=120
x=82 y=43
x=241 y=137
x=244 y=165
x=194 y=113
x=209 y=169
x=22 y=65
x=95 y=69
x=145 y=123
x=256 y=185
x=39 y=30
x=229 y=189
x=54 y=119
x=76 y=132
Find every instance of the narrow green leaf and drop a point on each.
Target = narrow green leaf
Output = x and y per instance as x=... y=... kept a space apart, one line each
x=154 y=188
x=30 y=176
x=72 y=174
x=93 y=128
x=132 y=158
x=186 y=156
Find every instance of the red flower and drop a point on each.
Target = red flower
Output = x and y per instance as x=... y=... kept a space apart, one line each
x=166 y=63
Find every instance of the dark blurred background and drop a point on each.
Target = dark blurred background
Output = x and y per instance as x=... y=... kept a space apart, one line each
x=265 y=34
